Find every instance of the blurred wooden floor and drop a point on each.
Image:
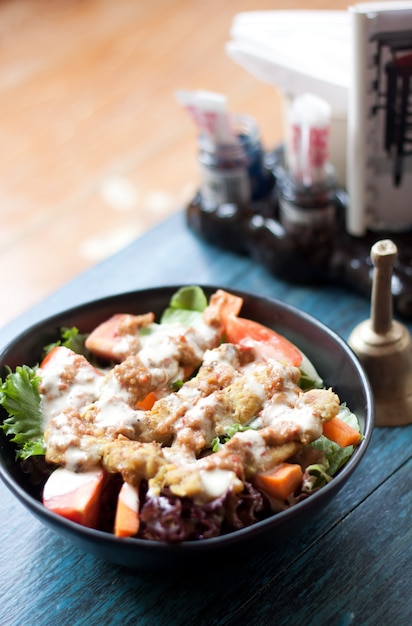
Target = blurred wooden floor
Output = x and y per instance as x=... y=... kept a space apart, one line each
x=94 y=147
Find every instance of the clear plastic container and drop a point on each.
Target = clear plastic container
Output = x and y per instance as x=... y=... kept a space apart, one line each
x=233 y=173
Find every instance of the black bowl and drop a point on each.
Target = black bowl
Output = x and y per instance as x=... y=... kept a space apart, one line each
x=330 y=354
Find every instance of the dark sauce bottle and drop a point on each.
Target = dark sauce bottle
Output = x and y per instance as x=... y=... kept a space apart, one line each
x=295 y=241
x=249 y=203
x=235 y=184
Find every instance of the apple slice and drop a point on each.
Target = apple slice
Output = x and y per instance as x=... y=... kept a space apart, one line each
x=127 y=512
x=75 y=495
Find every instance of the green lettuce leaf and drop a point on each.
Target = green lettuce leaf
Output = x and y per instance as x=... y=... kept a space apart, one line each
x=191 y=298
x=20 y=397
x=70 y=338
x=310 y=378
x=316 y=476
x=230 y=431
x=185 y=307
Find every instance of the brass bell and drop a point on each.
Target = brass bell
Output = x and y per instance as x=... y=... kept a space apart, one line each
x=384 y=345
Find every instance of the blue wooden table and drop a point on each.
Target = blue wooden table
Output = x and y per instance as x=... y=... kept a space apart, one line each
x=353 y=565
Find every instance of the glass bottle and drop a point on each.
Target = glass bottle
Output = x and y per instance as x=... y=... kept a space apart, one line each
x=233 y=179
x=233 y=173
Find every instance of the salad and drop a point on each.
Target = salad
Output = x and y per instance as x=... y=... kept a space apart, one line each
x=178 y=429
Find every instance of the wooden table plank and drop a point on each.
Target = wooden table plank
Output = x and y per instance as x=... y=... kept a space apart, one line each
x=368 y=556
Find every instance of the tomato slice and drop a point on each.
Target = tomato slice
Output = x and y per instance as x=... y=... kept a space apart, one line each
x=51 y=356
x=104 y=340
x=249 y=333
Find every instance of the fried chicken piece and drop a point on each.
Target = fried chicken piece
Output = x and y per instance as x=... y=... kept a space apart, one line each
x=65 y=431
x=239 y=403
x=136 y=379
x=76 y=446
x=306 y=413
x=324 y=403
x=220 y=367
x=132 y=459
x=253 y=451
x=238 y=457
x=131 y=324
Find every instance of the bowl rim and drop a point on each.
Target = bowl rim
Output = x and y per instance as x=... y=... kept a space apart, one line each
x=233 y=537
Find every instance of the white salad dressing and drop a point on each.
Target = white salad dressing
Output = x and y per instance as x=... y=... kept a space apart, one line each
x=125 y=346
x=257 y=446
x=112 y=409
x=226 y=353
x=254 y=387
x=160 y=342
x=62 y=435
x=59 y=393
x=217 y=482
x=310 y=427
x=201 y=416
x=76 y=457
x=113 y=412
x=161 y=350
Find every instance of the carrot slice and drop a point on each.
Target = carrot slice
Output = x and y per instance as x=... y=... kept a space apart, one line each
x=281 y=481
x=227 y=303
x=341 y=433
x=75 y=495
x=127 y=521
x=147 y=403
